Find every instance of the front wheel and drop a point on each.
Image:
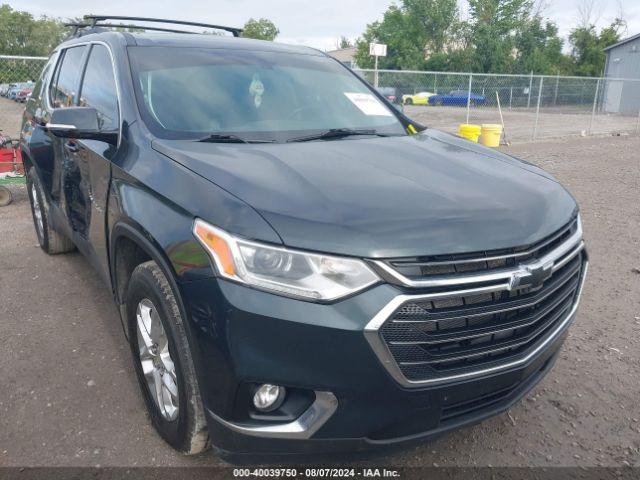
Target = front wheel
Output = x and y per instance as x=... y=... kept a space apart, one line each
x=408 y=101
x=163 y=361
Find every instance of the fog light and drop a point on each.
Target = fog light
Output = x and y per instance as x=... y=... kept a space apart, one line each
x=268 y=397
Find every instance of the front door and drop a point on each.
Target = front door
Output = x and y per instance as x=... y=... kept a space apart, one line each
x=92 y=158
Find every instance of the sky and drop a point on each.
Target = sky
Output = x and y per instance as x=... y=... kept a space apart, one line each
x=317 y=23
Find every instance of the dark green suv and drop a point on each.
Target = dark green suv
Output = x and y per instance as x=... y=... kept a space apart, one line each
x=299 y=267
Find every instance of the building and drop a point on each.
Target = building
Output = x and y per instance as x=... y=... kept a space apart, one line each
x=344 y=55
x=623 y=62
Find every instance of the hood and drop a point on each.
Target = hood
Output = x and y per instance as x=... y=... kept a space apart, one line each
x=426 y=194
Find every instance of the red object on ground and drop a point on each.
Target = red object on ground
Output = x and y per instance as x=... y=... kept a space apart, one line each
x=6 y=160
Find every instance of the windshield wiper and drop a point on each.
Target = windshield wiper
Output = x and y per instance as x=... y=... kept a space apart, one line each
x=229 y=138
x=337 y=133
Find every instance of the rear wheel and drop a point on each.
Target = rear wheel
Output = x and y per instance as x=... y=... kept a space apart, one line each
x=163 y=360
x=408 y=101
x=50 y=241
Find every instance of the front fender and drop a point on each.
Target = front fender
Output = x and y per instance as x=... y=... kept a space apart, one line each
x=163 y=228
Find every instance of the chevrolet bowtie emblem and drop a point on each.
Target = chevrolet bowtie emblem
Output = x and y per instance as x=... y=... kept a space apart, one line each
x=532 y=275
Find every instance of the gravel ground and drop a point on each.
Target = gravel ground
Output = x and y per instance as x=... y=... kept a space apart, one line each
x=70 y=398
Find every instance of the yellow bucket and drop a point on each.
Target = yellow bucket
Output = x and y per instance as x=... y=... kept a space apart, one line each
x=469 y=131
x=491 y=134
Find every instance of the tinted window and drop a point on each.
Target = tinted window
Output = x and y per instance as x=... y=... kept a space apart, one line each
x=64 y=93
x=188 y=93
x=99 y=88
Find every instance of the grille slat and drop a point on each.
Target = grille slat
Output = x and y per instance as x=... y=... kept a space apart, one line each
x=477 y=332
x=425 y=267
x=493 y=346
x=446 y=333
x=496 y=307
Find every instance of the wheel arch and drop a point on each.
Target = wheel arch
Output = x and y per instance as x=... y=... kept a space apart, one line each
x=131 y=245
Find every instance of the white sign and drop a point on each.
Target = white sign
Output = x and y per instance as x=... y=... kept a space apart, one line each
x=368 y=104
x=378 y=49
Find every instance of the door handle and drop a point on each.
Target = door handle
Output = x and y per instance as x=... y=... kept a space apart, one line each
x=71 y=147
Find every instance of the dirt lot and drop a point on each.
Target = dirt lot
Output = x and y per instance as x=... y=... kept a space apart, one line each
x=69 y=394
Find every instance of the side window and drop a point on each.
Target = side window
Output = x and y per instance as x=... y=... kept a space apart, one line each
x=67 y=77
x=99 y=88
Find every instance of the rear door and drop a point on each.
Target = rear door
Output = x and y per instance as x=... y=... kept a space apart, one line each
x=63 y=93
x=92 y=159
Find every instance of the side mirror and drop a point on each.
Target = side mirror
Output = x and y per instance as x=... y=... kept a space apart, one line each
x=79 y=123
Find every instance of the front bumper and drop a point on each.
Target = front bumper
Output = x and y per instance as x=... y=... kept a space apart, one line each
x=242 y=335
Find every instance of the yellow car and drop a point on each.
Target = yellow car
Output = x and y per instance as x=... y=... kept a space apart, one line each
x=420 y=98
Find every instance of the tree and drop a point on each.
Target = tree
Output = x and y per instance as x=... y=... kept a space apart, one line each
x=433 y=21
x=492 y=29
x=22 y=34
x=403 y=52
x=539 y=49
x=411 y=31
x=261 y=29
x=345 y=43
x=587 y=47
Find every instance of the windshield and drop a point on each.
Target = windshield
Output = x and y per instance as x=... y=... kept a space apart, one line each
x=259 y=96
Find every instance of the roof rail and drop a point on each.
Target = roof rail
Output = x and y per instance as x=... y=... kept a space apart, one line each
x=93 y=21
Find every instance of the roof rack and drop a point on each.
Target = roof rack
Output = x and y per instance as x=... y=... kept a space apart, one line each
x=78 y=26
x=93 y=21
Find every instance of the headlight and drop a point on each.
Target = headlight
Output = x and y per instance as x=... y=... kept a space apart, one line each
x=281 y=270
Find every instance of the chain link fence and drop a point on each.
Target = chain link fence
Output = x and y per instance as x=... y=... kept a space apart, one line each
x=17 y=79
x=532 y=106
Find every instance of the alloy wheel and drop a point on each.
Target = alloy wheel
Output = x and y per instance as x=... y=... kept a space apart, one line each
x=37 y=210
x=155 y=358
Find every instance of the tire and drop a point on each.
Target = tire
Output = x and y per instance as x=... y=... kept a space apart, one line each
x=175 y=406
x=50 y=241
x=408 y=101
x=5 y=196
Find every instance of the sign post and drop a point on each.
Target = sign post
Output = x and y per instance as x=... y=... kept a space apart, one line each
x=377 y=50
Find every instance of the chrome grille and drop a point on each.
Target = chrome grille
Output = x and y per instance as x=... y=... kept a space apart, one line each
x=433 y=336
x=425 y=267
x=481 y=319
